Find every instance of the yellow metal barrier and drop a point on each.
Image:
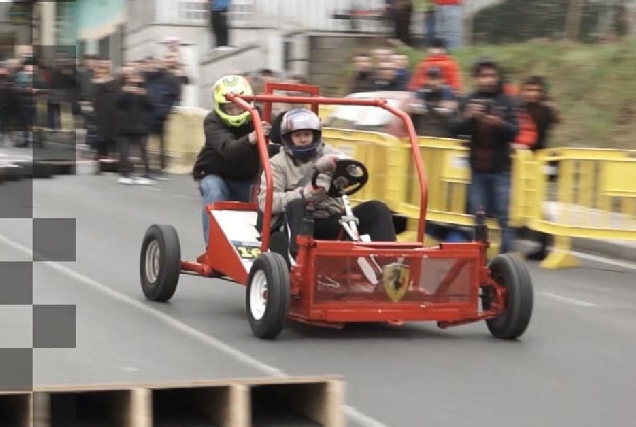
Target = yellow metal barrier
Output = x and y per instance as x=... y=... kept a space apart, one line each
x=325 y=110
x=525 y=174
x=594 y=197
x=67 y=121
x=184 y=138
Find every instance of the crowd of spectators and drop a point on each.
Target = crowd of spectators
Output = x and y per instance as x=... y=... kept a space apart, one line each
x=433 y=92
x=117 y=108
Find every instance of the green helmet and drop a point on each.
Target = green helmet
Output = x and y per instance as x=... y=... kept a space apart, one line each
x=231 y=84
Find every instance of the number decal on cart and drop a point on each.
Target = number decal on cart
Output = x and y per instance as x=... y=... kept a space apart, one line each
x=248 y=252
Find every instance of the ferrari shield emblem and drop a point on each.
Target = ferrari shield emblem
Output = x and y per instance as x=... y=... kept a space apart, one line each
x=395 y=279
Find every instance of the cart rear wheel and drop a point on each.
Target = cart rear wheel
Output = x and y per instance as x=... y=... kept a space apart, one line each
x=512 y=273
x=160 y=263
x=268 y=295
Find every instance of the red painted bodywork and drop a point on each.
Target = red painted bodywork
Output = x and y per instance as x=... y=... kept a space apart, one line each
x=445 y=280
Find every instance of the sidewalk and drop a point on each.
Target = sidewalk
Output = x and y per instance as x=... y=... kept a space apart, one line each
x=624 y=250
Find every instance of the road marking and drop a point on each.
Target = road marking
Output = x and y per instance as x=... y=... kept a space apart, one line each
x=568 y=300
x=219 y=345
x=624 y=264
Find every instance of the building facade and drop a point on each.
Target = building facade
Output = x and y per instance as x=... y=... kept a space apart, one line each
x=96 y=27
x=15 y=28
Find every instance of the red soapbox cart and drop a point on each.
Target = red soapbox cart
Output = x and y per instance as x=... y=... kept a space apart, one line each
x=352 y=280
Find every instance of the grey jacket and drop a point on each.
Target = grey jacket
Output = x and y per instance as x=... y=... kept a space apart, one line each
x=289 y=176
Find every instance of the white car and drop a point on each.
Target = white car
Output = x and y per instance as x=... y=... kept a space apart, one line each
x=373 y=119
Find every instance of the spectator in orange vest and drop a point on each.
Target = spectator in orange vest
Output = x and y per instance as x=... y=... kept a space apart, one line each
x=538 y=106
x=527 y=136
x=438 y=57
x=537 y=111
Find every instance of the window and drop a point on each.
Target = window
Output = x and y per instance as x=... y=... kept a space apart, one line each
x=242 y=12
x=288 y=52
x=104 y=48
x=193 y=10
x=81 y=48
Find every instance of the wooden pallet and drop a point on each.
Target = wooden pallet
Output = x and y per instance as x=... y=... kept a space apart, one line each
x=306 y=401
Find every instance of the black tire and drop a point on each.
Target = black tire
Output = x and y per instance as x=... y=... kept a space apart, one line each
x=42 y=170
x=273 y=269
x=162 y=284
x=10 y=172
x=511 y=272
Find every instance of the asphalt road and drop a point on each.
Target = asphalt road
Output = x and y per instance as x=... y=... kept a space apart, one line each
x=574 y=367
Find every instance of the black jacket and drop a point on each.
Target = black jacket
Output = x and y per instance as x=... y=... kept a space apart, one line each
x=490 y=148
x=227 y=152
x=163 y=89
x=104 y=98
x=134 y=113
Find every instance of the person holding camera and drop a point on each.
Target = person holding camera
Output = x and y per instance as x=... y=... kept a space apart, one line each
x=134 y=112
x=433 y=106
x=432 y=109
x=488 y=118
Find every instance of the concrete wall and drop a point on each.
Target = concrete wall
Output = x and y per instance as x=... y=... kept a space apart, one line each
x=250 y=58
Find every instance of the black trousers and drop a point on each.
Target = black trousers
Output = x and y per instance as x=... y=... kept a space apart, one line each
x=402 y=26
x=375 y=219
x=159 y=129
x=103 y=148
x=133 y=140
x=220 y=27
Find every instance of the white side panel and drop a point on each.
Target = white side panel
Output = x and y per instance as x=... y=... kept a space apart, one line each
x=240 y=229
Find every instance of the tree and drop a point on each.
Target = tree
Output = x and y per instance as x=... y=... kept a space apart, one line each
x=573 y=19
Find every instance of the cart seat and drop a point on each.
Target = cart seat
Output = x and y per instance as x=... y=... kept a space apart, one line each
x=238 y=226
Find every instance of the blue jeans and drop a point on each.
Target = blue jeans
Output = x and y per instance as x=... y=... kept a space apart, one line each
x=450 y=25
x=429 y=28
x=214 y=189
x=492 y=192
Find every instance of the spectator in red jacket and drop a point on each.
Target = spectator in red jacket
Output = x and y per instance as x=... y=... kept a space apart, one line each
x=438 y=57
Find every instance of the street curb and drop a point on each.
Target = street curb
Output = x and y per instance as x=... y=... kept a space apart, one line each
x=621 y=250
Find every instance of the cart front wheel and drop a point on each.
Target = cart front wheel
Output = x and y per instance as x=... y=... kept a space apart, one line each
x=160 y=263
x=268 y=295
x=512 y=273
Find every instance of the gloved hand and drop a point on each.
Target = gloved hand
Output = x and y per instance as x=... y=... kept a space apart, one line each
x=326 y=164
x=317 y=194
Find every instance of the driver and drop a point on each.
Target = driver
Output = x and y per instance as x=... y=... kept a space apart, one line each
x=228 y=164
x=303 y=153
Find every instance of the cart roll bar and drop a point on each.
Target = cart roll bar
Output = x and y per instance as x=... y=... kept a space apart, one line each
x=244 y=101
x=270 y=87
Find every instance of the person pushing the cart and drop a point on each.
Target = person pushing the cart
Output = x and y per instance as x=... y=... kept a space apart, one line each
x=228 y=164
x=302 y=153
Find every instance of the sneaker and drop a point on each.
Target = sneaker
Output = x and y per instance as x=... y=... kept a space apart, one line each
x=143 y=181
x=126 y=180
x=160 y=176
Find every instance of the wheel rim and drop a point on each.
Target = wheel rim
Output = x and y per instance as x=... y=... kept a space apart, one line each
x=258 y=295
x=153 y=259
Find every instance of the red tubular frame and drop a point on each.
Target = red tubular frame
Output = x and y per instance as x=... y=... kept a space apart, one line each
x=270 y=87
x=244 y=101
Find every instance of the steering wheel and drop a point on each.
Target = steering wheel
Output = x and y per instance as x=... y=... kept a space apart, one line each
x=348 y=178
